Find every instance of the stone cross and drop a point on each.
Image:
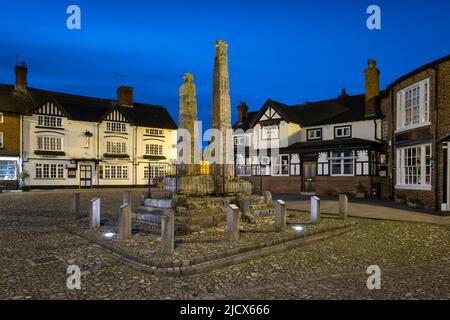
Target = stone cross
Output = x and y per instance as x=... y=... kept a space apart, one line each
x=167 y=233
x=221 y=105
x=315 y=210
x=233 y=217
x=187 y=120
x=94 y=214
x=75 y=205
x=343 y=206
x=280 y=216
x=125 y=222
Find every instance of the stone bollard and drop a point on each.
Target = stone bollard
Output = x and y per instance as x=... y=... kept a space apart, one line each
x=75 y=206
x=343 y=206
x=315 y=210
x=126 y=198
x=94 y=214
x=233 y=217
x=280 y=216
x=125 y=222
x=142 y=197
x=167 y=234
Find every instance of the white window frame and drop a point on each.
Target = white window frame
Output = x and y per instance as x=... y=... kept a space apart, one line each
x=343 y=134
x=153 y=149
x=49 y=121
x=239 y=140
x=312 y=134
x=269 y=132
x=277 y=162
x=342 y=159
x=1 y=117
x=50 y=143
x=49 y=171
x=114 y=126
x=1 y=140
x=154 y=132
x=423 y=105
x=116 y=147
x=114 y=172
x=402 y=179
x=295 y=165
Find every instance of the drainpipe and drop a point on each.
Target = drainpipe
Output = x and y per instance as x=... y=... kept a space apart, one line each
x=436 y=132
x=98 y=155
x=392 y=149
x=135 y=166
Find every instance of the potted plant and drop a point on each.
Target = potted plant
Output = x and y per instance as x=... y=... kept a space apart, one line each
x=361 y=192
x=24 y=175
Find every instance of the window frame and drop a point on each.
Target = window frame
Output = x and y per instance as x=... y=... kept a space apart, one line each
x=2 y=143
x=45 y=143
x=315 y=138
x=336 y=128
x=423 y=113
x=343 y=160
x=148 y=149
x=278 y=162
x=2 y=117
x=45 y=121
x=112 y=147
x=425 y=166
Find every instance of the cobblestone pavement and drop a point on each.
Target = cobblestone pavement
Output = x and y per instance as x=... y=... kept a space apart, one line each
x=414 y=259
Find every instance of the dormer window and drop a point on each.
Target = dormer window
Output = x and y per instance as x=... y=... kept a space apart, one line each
x=315 y=134
x=116 y=127
x=50 y=121
x=413 y=106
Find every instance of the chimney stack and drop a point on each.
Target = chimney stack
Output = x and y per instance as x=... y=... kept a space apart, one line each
x=242 y=112
x=125 y=96
x=343 y=94
x=372 y=75
x=21 y=77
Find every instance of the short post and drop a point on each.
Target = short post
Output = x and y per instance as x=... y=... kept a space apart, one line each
x=75 y=205
x=315 y=210
x=233 y=217
x=142 y=198
x=125 y=222
x=167 y=234
x=280 y=216
x=94 y=214
x=126 y=198
x=343 y=206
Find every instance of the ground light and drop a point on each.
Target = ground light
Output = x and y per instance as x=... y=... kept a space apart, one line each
x=109 y=235
x=298 y=228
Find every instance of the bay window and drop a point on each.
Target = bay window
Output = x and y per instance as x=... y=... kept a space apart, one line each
x=414 y=167
x=116 y=147
x=50 y=143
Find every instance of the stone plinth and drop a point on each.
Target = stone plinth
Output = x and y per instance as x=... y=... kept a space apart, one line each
x=75 y=205
x=167 y=234
x=315 y=210
x=94 y=214
x=343 y=206
x=280 y=216
x=233 y=219
x=125 y=222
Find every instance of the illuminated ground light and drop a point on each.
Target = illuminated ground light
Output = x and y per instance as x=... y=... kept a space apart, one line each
x=298 y=228
x=109 y=235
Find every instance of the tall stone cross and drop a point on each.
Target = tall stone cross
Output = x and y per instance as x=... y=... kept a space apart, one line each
x=187 y=120
x=221 y=105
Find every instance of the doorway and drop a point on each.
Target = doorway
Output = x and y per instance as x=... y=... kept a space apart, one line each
x=85 y=175
x=309 y=176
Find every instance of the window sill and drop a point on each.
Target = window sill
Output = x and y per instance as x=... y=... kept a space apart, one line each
x=404 y=129
x=52 y=128
x=119 y=156
x=49 y=153
x=151 y=157
x=413 y=187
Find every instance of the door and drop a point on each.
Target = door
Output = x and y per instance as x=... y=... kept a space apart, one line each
x=85 y=176
x=309 y=177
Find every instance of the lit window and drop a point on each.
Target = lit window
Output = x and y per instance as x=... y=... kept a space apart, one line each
x=280 y=165
x=49 y=171
x=8 y=170
x=295 y=165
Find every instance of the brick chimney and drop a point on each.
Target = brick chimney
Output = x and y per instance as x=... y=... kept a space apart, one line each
x=125 y=96
x=343 y=93
x=372 y=75
x=21 y=77
x=242 y=112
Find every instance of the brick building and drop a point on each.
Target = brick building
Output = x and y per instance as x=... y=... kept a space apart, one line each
x=417 y=108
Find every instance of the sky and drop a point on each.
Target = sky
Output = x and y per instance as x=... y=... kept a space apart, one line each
x=289 y=51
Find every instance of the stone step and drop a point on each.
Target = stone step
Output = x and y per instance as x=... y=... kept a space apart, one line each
x=158 y=203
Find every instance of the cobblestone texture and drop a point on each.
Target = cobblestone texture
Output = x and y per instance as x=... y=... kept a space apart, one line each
x=414 y=259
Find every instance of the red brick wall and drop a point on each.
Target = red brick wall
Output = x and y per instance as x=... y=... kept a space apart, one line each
x=11 y=134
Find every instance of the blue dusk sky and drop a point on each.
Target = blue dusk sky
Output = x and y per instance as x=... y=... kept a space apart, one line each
x=290 y=51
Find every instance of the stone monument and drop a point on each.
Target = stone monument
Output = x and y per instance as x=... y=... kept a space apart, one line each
x=221 y=107
x=187 y=120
